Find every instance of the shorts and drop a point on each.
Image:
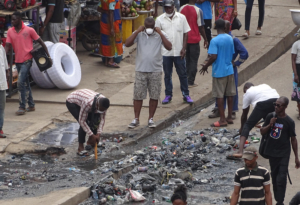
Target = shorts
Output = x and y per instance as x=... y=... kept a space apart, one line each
x=143 y=81
x=223 y=87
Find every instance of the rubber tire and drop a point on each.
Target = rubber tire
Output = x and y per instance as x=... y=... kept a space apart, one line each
x=67 y=76
x=85 y=45
x=42 y=79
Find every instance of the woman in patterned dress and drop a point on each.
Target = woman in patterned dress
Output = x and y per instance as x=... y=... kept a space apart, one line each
x=110 y=32
x=296 y=72
x=226 y=10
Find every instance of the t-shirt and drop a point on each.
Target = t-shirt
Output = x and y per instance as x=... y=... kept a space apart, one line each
x=3 y=68
x=194 y=17
x=58 y=14
x=148 y=52
x=22 y=42
x=206 y=8
x=257 y=94
x=252 y=184
x=278 y=141
x=223 y=46
x=296 y=50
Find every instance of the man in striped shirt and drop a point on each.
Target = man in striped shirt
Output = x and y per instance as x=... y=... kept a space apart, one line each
x=79 y=103
x=253 y=181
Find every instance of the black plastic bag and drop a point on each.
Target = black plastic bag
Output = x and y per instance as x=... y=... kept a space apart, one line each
x=236 y=24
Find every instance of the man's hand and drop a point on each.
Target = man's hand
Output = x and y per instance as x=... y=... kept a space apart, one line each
x=182 y=53
x=203 y=70
x=272 y=121
x=154 y=15
x=42 y=29
x=206 y=44
x=296 y=78
x=93 y=139
x=297 y=162
x=140 y=29
x=157 y=29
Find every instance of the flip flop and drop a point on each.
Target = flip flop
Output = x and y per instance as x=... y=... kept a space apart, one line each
x=246 y=35
x=114 y=65
x=229 y=122
x=258 y=32
x=217 y=124
x=83 y=153
x=231 y=157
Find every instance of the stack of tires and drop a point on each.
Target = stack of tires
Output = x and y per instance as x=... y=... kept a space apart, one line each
x=65 y=72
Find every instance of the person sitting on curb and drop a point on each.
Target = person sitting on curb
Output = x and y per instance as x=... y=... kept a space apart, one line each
x=148 y=67
x=253 y=181
x=262 y=98
x=180 y=195
x=79 y=104
x=240 y=50
x=3 y=86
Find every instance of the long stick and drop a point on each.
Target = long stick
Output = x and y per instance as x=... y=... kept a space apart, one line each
x=96 y=151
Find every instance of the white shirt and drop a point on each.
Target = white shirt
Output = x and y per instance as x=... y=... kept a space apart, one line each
x=174 y=28
x=3 y=67
x=257 y=94
x=296 y=50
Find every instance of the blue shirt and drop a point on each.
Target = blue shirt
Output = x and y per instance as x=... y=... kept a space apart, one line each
x=222 y=45
x=206 y=8
x=239 y=49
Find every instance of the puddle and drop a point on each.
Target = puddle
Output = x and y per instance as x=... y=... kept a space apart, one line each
x=63 y=135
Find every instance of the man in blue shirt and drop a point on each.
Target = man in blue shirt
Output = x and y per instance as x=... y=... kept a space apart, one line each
x=221 y=50
x=243 y=56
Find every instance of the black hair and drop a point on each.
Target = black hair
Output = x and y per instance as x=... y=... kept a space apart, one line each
x=220 y=24
x=248 y=85
x=150 y=20
x=104 y=102
x=18 y=14
x=285 y=100
x=180 y=193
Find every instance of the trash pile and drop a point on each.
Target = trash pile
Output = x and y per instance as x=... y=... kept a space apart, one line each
x=196 y=159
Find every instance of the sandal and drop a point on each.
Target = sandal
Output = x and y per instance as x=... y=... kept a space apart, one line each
x=21 y=111
x=2 y=136
x=114 y=65
x=83 y=153
x=229 y=122
x=217 y=124
x=258 y=32
x=246 y=35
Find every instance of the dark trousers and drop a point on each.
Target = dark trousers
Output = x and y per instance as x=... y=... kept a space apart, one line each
x=74 y=109
x=279 y=170
x=192 y=56
x=261 y=7
x=207 y=28
x=168 y=62
x=261 y=110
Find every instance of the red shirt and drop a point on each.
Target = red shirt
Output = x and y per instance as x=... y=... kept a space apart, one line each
x=22 y=42
x=193 y=17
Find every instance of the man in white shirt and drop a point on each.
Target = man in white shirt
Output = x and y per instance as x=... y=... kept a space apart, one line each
x=262 y=98
x=176 y=27
x=3 y=86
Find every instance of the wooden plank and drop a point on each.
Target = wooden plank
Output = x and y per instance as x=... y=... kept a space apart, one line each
x=8 y=13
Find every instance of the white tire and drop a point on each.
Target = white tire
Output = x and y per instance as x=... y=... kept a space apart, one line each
x=65 y=72
x=41 y=78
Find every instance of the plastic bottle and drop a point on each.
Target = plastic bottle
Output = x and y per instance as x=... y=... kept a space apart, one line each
x=166 y=199
x=103 y=201
x=196 y=145
x=142 y=169
x=95 y=194
x=110 y=198
x=165 y=186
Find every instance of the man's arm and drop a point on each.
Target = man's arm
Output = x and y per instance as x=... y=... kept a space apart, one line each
x=296 y=77
x=156 y=7
x=244 y=118
x=211 y=60
x=167 y=44
x=241 y=51
x=130 y=40
x=235 y=195
x=183 y=50
x=8 y=47
x=295 y=149
x=202 y=32
x=268 y=194
x=48 y=17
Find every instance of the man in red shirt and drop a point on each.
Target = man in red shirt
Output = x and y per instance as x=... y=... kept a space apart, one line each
x=194 y=17
x=21 y=37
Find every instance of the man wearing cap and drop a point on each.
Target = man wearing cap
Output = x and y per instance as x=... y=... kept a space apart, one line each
x=280 y=135
x=253 y=181
x=176 y=27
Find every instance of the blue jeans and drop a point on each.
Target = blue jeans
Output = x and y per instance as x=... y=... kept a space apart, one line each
x=2 y=106
x=181 y=71
x=24 y=85
x=236 y=97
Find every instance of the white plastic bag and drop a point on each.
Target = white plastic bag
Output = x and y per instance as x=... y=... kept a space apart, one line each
x=136 y=196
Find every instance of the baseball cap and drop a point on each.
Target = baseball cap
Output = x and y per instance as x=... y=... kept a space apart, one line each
x=249 y=153
x=168 y=3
